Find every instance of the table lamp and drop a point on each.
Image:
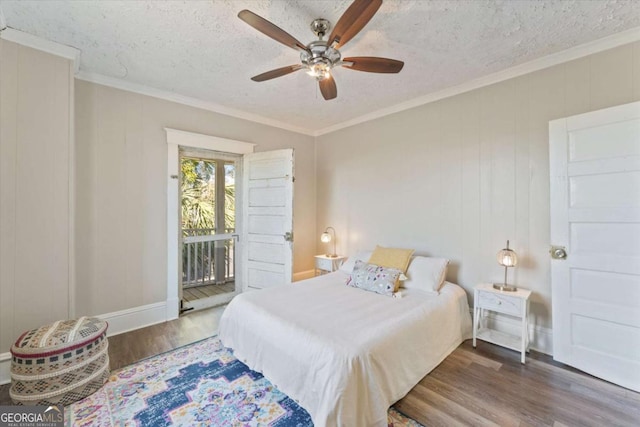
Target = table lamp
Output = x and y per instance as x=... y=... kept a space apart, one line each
x=506 y=258
x=326 y=238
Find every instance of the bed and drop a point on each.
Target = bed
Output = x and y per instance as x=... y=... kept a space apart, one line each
x=344 y=354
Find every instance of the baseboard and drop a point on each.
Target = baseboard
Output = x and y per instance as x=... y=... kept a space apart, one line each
x=540 y=338
x=135 y=317
x=302 y=275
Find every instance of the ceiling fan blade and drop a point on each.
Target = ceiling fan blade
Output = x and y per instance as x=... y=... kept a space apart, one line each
x=278 y=72
x=373 y=64
x=328 y=88
x=353 y=20
x=271 y=30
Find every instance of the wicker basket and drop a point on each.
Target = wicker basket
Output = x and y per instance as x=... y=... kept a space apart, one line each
x=61 y=363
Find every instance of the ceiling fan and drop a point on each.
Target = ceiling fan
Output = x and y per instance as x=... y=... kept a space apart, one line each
x=320 y=56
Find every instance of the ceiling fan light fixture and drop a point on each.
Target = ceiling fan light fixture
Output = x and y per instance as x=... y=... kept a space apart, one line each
x=319 y=70
x=319 y=59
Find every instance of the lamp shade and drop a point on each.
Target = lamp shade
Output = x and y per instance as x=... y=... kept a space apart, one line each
x=325 y=238
x=507 y=258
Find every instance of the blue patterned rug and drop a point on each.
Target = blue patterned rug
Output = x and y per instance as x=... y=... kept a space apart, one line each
x=201 y=384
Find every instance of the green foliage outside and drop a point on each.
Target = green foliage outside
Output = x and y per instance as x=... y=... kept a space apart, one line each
x=199 y=195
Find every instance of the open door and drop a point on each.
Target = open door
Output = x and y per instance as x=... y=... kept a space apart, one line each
x=595 y=225
x=268 y=217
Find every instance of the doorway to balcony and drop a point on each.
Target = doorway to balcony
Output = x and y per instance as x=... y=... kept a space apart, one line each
x=208 y=227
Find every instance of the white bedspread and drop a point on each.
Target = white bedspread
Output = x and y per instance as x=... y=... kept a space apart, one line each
x=344 y=354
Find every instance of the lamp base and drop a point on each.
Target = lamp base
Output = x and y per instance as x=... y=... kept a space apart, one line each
x=331 y=255
x=504 y=287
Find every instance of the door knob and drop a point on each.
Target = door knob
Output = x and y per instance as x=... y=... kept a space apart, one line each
x=558 y=252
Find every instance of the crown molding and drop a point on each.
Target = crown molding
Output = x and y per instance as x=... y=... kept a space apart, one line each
x=3 y=21
x=44 y=45
x=557 y=58
x=118 y=83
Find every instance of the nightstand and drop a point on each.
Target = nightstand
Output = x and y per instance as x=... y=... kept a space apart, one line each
x=326 y=264
x=516 y=304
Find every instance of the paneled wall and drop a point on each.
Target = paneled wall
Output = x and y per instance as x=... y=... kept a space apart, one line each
x=121 y=186
x=35 y=142
x=460 y=176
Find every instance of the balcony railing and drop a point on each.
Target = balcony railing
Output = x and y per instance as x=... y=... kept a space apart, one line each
x=207 y=257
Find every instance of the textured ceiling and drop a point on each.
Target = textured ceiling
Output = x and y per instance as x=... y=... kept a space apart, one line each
x=201 y=49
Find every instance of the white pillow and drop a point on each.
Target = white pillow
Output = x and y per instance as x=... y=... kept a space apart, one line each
x=426 y=273
x=348 y=265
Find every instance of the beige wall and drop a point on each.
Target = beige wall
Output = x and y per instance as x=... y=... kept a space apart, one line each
x=458 y=177
x=121 y=190
x=35 y=106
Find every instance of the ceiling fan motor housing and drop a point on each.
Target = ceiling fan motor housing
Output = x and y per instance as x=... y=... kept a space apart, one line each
x=320 y=58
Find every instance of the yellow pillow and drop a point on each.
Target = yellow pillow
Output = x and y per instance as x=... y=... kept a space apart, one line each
x=392 y=258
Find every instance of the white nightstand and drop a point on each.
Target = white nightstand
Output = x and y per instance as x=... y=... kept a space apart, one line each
x=326 y=264
x=516 y=304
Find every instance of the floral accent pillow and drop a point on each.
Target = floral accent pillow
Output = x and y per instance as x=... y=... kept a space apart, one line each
x=374 y=278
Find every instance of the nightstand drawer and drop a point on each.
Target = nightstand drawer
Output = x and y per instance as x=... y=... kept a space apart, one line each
x=500 y=303
x=326 y=264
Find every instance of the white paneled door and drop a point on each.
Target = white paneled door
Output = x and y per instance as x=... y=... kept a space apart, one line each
x=595 y=220
x=268 y=218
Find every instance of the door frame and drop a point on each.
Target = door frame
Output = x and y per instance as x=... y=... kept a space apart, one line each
x=189 y=140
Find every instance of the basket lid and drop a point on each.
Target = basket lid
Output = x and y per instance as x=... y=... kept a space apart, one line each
x=59 y=336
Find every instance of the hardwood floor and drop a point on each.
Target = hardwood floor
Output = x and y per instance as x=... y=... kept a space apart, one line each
x=199 y=292
x=489 y=386
x=475 y=387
